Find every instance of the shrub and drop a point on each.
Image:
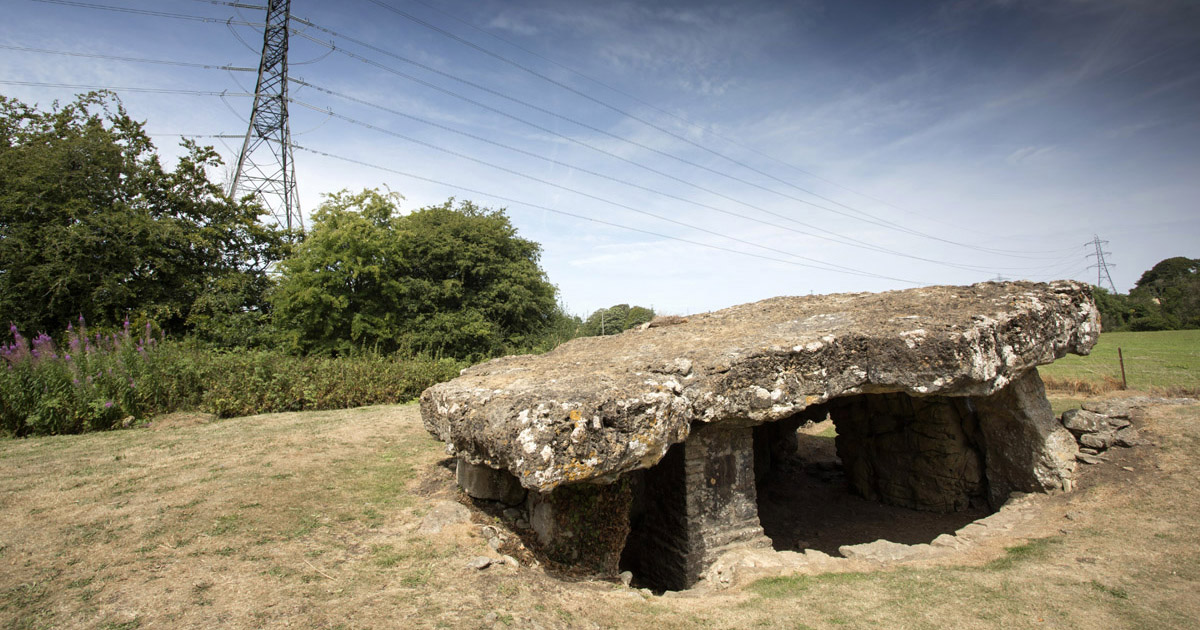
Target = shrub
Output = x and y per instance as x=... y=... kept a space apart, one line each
x=91 y=384
x=99 y=380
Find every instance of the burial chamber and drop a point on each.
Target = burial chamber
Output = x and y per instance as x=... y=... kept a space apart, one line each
x=642 y=450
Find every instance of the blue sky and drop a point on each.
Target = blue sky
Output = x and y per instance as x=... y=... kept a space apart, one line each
x=773 y=147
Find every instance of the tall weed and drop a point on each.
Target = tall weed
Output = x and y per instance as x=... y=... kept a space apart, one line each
x=99 y=381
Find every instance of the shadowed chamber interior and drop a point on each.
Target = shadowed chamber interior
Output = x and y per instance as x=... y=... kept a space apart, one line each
x=854 y=470
x=870 y=467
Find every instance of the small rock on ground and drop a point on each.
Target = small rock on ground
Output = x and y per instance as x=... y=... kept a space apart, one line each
x=442 y=515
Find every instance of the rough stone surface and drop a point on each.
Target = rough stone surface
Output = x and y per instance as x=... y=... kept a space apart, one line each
x=595 y=408
x=484 y=482
x=479 y=563
x=1079 y=421
x=697 y=504
x=881 y=551
x=1100 y=440
x=582 y=525
x=1127 y=437
x=1123 y=407
x=1027 y=449
x=919 y=453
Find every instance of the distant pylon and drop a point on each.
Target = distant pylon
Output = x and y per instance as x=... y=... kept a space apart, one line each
x=265 y=166
x=1101 y=266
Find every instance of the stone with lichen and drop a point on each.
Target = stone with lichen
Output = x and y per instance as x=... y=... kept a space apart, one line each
x=595 y=408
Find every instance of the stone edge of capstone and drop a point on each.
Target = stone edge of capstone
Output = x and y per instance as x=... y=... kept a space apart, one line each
x=444 y=406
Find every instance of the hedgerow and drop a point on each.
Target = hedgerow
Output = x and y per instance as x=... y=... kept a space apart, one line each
x=100 y=381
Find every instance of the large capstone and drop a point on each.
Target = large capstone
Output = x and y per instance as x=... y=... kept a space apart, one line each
x=934 y=391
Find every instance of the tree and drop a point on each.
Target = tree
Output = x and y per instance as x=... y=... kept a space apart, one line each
x=1115 y=310
x=450 y=280
x=1168 y=295
x=615 y=319
x=91 y=223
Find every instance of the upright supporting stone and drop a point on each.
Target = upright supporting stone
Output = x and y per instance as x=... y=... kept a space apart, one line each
x=696 y=503
x=1027 y=450
x=583 y=525
x=482 y=482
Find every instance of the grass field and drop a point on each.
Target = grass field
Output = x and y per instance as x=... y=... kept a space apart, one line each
x=315 y=520
x=1165 y=362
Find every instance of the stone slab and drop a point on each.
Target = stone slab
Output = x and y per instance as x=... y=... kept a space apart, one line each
x=597 y=407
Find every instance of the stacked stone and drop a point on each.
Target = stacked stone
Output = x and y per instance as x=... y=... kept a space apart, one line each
x=1102 y=424
x=1097 y=433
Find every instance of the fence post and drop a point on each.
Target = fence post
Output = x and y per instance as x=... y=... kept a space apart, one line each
x=1121 y=358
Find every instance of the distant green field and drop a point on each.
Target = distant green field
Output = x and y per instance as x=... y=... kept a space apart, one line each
x=1166 y=361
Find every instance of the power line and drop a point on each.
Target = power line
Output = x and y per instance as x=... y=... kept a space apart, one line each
x=543 y=110
x=535 y=206
x=81 y=86
x=581 y=193
x=835 y=239
x=175 y=16
x=376 y=128
x=164 y=62
x=869 y=218
x=679 y=117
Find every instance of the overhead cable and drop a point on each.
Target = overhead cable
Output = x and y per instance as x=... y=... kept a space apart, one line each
x=546 y=182
x=519 y=101
x=595 y=220
x=869 y=218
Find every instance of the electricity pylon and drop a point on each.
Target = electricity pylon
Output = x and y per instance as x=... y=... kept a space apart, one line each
x=266 y=168
x=1101 y=266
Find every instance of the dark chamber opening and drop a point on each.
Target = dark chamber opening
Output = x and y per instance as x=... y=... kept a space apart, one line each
x=808 y=500
x=853 y=470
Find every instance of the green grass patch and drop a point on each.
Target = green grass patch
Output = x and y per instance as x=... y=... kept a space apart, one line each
x=1161 y=361
x=1115 y=592
x=788 y=586
x=226 y=524
x=1036 y=549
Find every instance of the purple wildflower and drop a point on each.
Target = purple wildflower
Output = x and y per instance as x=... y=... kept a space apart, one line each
x=108 y=404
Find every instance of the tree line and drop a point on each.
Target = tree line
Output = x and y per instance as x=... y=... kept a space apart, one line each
x=1166 y=297
x=93 y=226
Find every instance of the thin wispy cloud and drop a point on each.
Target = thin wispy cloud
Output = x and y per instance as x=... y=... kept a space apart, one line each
x=995 y=124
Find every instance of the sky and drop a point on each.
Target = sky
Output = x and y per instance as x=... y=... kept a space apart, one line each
x=691 y=155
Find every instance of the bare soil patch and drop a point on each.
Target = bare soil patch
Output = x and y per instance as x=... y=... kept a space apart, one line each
x=313 y=520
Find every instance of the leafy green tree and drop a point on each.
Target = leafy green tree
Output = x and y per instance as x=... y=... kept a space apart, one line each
x=1115 y=310
x=615 y=319
x=91 y=223
x=449 y=280
x=1167 y=296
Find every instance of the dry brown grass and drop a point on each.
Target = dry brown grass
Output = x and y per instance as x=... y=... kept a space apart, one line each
x=1085 y=387
x=312 y=520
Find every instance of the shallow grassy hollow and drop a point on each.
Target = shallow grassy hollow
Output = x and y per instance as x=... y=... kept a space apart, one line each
x=312 y=520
